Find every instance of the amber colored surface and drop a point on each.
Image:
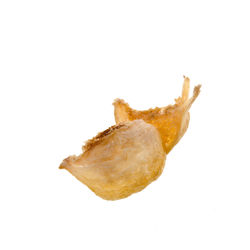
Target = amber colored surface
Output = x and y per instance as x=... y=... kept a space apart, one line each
x=171 y=121
x=127 y=157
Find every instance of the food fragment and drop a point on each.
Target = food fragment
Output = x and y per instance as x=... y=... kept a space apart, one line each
x=127 y=157
x=171 y=121
x=120 y=161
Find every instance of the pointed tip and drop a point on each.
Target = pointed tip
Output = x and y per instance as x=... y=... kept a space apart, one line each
x=61 y=166
x=66 y=163
x=185 y=89
x=196 y=92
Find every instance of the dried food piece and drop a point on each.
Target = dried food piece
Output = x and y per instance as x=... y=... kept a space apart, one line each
x=171 y=121
x=127 y=157
x=120 y=161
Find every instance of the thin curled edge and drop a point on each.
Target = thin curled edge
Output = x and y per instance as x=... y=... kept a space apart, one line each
x=100 y=136
x=91 y=143
x=183 y=100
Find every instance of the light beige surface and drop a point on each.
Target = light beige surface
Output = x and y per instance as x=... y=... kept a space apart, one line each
x=127 y=157
x=120 y=161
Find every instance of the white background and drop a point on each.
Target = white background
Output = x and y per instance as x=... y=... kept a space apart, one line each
x=62 y=63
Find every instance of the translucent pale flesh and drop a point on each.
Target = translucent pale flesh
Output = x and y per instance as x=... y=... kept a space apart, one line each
x=127 y=157
x=171 y=121
x=120 y=161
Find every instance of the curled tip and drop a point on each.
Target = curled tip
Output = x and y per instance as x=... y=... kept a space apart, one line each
x=64 y=164
x=196 y=92
x=61 y=167
x=67 y=162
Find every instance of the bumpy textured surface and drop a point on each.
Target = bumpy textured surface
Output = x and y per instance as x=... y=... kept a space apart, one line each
x=120 y=161
x=171 y=121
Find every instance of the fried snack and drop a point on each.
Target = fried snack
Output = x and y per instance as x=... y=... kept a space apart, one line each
x=120 y=161
x=171 y=121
